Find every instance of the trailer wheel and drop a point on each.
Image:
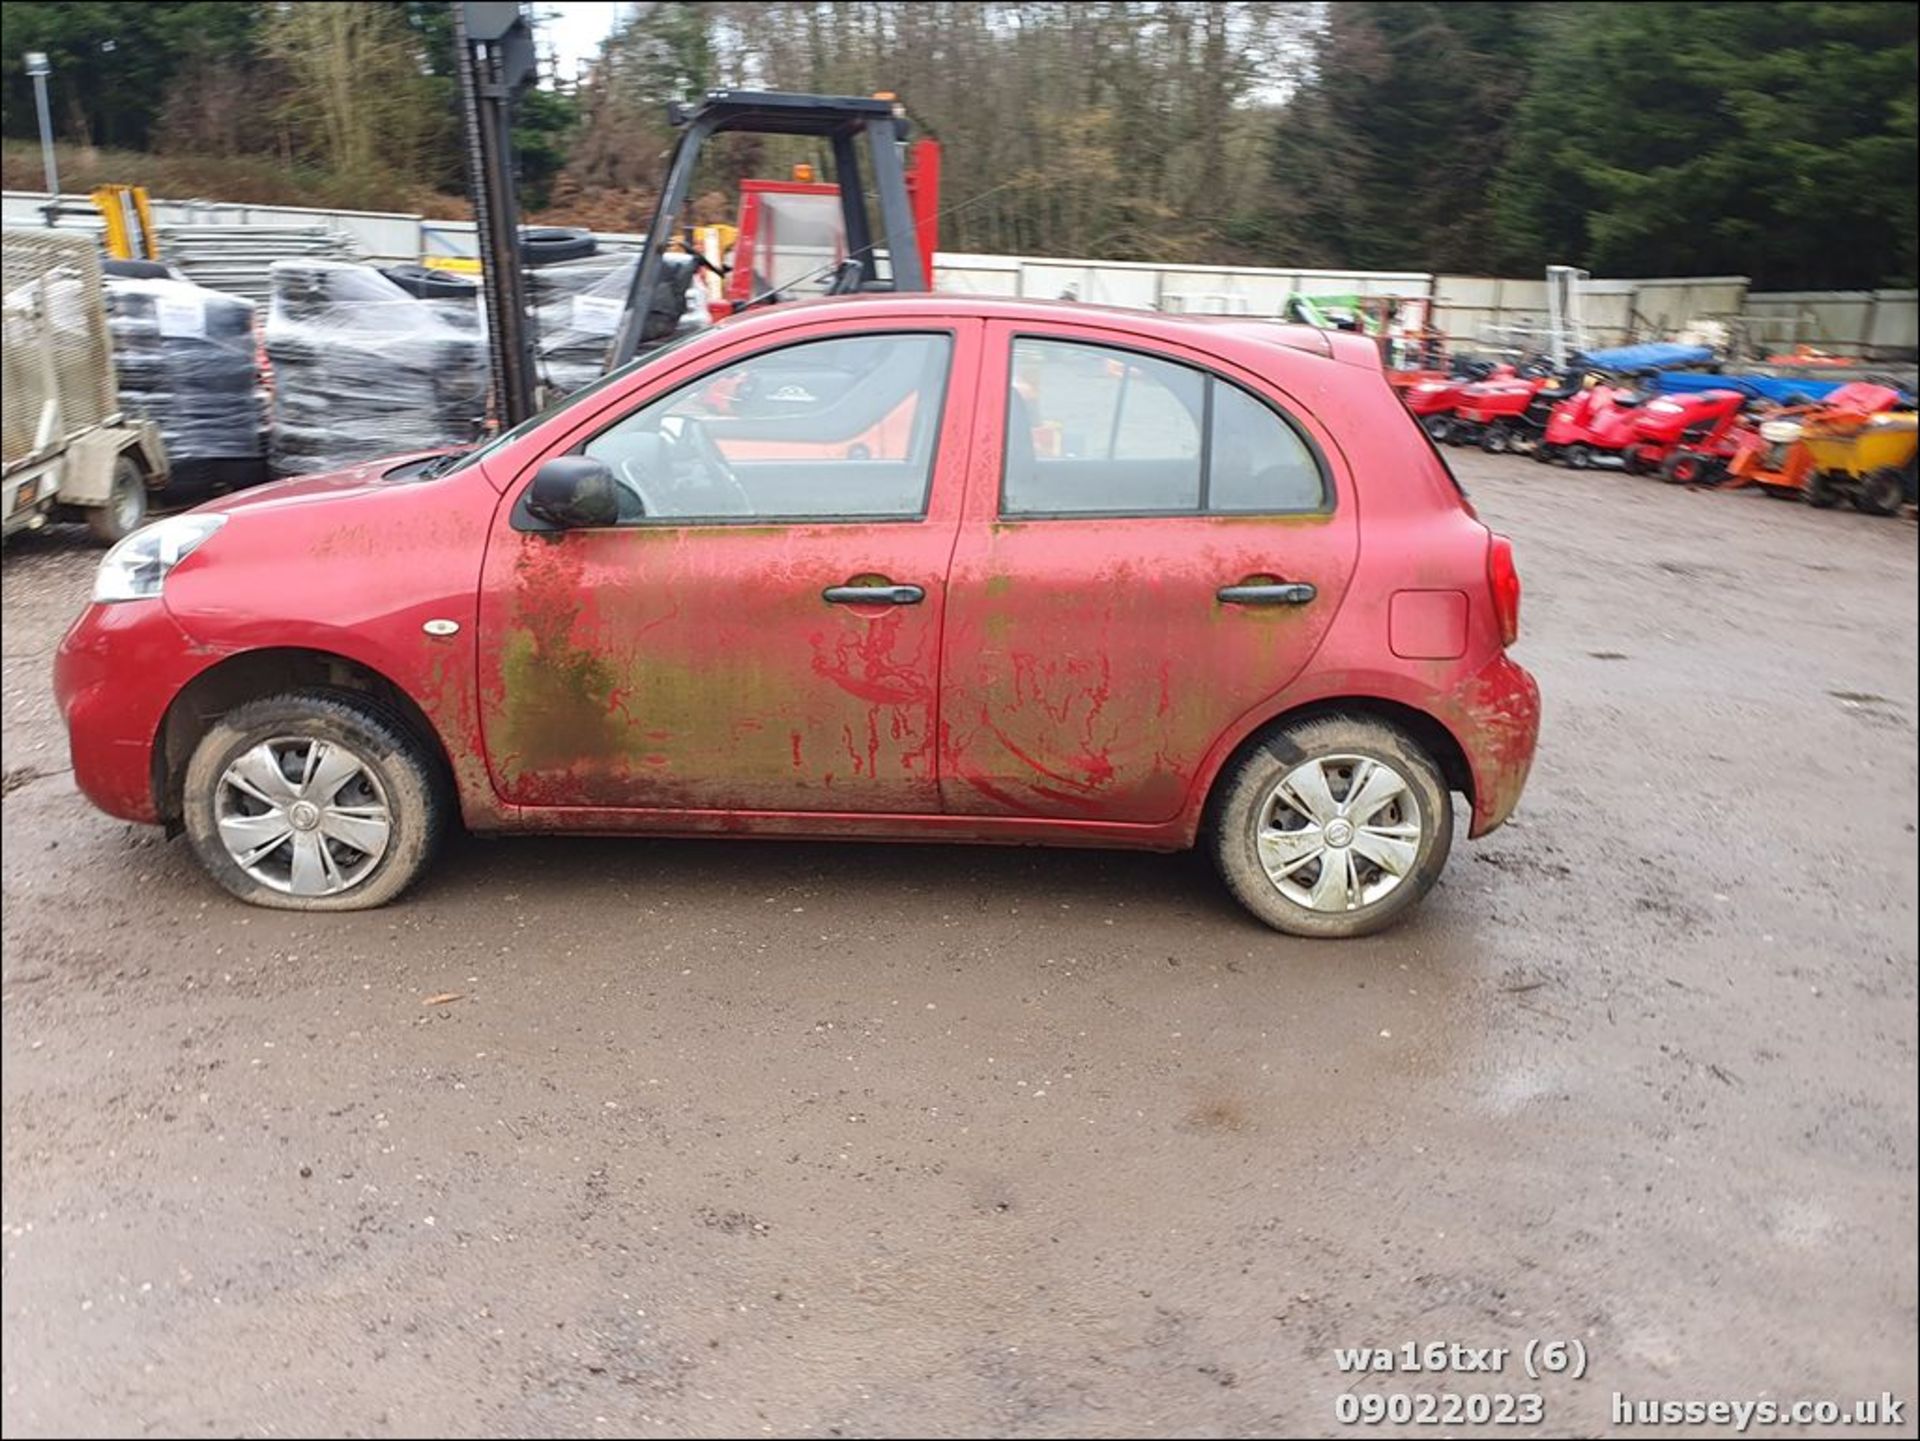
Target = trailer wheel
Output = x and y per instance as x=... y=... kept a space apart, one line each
x=1881 y=492
x=1825 y=490
x=126 y=504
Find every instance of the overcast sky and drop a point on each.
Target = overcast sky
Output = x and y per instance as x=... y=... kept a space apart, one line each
x=571 y=30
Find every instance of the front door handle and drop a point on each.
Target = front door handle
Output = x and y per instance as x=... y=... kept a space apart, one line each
x=873 y=595
x=1278 y=593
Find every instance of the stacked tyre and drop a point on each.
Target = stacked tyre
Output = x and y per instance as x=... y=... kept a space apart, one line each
x=364 y=368
x=185 y=358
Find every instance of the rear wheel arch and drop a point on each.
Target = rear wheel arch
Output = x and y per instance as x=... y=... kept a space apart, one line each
x=1429 y=733
x=255 y=674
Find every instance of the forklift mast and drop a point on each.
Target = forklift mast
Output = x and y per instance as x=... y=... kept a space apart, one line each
x=844 y=122
x=494 y=55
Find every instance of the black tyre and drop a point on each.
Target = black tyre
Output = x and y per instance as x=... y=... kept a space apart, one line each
x=1546 y=454
x=125 y=510
x=314 y=800
x=136 y=270
x=549 y=245
x=1332 y=827
x=1881 y=492
x=1632 y=462
x=1687 y=467
x=1825 y=489
x=1578 y=456
x=1497 y=441
x=430 y=284
x=1436 y=426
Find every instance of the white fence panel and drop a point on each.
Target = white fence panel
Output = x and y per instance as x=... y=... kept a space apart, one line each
x=1879 y=324
x=1468 y=308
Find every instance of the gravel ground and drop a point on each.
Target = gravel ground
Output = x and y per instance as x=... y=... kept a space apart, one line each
x=856 y=1140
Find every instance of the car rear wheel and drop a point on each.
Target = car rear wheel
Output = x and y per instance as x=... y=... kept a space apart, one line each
x=314 y=801
x=1333 y=827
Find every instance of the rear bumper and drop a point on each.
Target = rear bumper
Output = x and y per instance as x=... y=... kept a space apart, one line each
x=114 y=675
x=1497 y=722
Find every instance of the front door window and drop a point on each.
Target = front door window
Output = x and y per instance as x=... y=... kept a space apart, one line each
x=839 y=428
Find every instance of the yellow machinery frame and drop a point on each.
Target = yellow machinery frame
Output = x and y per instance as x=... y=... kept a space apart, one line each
x=129 y=222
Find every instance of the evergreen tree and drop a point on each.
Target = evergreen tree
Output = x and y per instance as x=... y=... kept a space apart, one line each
x=1769 y=140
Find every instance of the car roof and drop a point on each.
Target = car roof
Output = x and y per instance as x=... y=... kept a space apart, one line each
x=1205 y=331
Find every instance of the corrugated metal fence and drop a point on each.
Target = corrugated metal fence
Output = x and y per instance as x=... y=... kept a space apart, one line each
x=1879 y=324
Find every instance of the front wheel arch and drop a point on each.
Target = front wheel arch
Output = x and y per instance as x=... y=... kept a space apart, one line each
x=255 y=674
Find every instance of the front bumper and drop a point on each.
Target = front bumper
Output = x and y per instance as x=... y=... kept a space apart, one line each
x=116 y=672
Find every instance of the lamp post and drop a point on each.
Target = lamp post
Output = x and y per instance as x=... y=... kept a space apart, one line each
x=39 y=69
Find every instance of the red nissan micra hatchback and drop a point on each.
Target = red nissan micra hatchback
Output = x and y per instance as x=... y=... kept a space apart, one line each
x=919 y=568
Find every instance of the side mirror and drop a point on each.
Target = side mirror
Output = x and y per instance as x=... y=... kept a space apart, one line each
x=573 y=492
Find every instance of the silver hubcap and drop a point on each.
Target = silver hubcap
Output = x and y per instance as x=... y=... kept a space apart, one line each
x=1338 y=833
x=126 y=502
x=307 y=817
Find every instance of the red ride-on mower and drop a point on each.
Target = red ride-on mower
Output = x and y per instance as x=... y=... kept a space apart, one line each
x=1433 y=398
x=1689 y=439
x=1503 y=416
x=1595 y=427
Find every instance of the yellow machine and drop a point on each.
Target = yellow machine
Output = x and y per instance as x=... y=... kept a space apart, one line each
x=1868 y=459
x=129 y=222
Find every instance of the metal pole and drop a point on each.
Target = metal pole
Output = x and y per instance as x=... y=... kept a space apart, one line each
x=910 y=268
x=631 y=332
x=485 y=116
x=38 y=68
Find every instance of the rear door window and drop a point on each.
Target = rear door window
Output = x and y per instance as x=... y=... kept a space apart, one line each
x=1096 y=430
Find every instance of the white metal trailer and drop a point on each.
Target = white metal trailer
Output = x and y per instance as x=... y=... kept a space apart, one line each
x=67 y=447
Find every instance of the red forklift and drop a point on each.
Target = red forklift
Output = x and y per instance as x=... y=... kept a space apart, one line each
x=851 y=257
x=793 y=232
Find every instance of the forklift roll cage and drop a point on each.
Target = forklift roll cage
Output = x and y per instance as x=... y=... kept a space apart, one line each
x=841 y=120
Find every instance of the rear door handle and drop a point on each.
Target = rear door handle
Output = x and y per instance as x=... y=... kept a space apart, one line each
x=1289 y=593
x=873 y=595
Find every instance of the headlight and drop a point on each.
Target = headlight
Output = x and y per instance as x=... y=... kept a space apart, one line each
x=136 y=568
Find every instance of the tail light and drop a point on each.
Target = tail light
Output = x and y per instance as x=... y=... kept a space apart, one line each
x=1504 y=581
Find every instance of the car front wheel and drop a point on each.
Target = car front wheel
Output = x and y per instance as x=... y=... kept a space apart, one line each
x=1333 y=827
x=313 y=801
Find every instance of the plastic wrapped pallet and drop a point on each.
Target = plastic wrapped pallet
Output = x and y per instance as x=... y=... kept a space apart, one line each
x=577 y=306
x=362 y=369
x=185 y=358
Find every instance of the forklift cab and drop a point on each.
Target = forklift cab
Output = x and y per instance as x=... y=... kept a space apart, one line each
x=851 y=262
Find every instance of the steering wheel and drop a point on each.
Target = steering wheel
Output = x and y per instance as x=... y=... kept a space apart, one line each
x=700 y=261
x=847 y=277
x=727 y=495
x=630 y=496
